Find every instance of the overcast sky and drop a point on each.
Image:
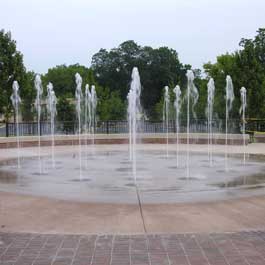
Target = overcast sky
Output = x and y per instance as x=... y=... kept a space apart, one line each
x=50 y=32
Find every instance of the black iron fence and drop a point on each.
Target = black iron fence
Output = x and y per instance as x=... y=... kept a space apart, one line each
x=255 y=125
x=115 y=127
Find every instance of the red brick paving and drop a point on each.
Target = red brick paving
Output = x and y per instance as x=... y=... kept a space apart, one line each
x=175 y=249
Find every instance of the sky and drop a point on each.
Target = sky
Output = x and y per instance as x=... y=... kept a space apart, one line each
x=50 y=32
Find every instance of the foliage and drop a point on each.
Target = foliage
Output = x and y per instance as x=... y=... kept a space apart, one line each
x=65 y=112
x=157 y=67
x=63 y=78
x=111 y=70
x=11 y=68
x=110 y=105
x=28 y=95
x=247 y=68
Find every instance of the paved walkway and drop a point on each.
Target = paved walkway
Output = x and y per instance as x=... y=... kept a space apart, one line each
x=29 y=214
x=242 y=248
x=42 y=215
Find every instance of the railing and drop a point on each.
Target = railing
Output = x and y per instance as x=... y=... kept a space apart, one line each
x=115 y=127
x=255 y=125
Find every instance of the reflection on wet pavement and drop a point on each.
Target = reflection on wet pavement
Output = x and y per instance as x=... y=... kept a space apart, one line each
x=107 y=177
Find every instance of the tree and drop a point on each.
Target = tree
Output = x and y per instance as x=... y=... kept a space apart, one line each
x=63 y=78
x=11 y=68
x=66 y=114
x=247 y=68
x=110 y=105
x=28 y=95
x=157 y=67
x=224 y=66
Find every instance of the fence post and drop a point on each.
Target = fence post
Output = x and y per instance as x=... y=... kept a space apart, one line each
x=7 y=129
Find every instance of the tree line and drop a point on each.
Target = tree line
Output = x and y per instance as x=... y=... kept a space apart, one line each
x=110 y=72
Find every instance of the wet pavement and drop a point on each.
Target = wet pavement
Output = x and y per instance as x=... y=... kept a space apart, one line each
x=107 y=176
x=241 y=248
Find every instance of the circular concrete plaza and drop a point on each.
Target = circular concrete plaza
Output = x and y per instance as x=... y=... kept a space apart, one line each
x=154 y=224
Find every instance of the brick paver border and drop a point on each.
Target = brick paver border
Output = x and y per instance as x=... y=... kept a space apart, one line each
x=240 y=248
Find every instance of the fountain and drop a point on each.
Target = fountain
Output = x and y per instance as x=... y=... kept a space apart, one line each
x=242 y=111
x=87 y=110
x=177 y=105
x=229 y=98
x=192 y=95
x=51 y=108
x=90 y=111
x=165 y=115
x=114 y=178
x=39 y=90
x=93 y=112
x=78 y=98
x=16 y=100
x=209 y=112
x=134 y=113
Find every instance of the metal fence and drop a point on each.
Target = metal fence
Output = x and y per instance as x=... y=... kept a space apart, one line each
x=115 y=127
x=255 y=125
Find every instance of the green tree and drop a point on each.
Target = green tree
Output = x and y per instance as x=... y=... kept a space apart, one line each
x=11 y=68
x=66 y=113
x=110 y=105
x=247 y=68
x=157 y=67
x=28 y=95
x=218 y=71
x=63 y=78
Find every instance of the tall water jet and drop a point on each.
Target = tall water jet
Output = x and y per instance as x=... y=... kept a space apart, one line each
x=209 y=112
x=229 y=98
x=165 y=114
x=90 y=112
x=78 y=98
x=39 y=90
x=16 y=100
x=93 y=112
x=87 y=109
x=177 y=106
x=51 y=108
x=192 y=99
x=134 y=114
x=242 y=111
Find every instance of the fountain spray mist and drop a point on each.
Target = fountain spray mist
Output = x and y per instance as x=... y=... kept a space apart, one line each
x=242 y=111
x=193 y=96
x=51 y=108
x=90 y=113
x=134 y=116
x=39 y=90
x=165 y=115
x=16 y=100
x=209 y=112
x=87 y=111
x=177 y=105
x=94 y=101
x=134 y=113
x=78 y=98
x=87 y=117
x=229 y=98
